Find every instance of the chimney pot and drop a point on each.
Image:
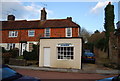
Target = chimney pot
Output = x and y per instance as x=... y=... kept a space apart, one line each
x=11 y=18
x=69 y=18
x=109 y=2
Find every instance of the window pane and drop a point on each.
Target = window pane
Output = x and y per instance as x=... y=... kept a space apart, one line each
x=58 y=57
x=31 y=32
x=13 y=45
x=47 y=32
x=13 y=33
x=71 y=57
x=69 y=32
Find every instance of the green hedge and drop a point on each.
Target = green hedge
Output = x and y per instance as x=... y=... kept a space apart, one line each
x=34 y=55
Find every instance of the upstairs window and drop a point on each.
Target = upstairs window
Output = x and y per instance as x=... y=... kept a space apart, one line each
x=13 y=33
x=31 y=33
x=47 y=32
x=68 y=32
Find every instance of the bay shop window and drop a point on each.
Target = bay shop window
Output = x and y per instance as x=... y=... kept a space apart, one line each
x=65 y=51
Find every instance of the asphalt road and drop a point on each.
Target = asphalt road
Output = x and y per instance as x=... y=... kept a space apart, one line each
x=45 y=75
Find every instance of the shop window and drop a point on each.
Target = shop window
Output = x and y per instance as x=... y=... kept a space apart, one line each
x=65 y=52
x=47 y=32
x=31 y=33
x=13 y=33
x=68 y=32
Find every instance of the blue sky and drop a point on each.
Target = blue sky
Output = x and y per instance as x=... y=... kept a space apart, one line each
x=89 y=15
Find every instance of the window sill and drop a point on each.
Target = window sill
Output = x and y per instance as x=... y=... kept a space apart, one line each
x=12 y=37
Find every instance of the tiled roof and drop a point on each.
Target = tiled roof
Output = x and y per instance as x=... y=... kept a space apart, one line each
x=24 y=24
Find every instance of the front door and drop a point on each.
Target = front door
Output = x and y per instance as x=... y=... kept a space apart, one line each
x=46 y=57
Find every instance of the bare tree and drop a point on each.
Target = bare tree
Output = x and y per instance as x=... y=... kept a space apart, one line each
x=85 y=34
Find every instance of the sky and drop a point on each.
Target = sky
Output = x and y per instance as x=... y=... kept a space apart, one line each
x=88 y=14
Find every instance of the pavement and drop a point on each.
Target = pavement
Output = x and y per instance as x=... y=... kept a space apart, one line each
x=87 y=68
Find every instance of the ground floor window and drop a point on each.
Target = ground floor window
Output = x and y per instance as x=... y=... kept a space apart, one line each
x=30 y=47
x=65 y=52
x=10 y=46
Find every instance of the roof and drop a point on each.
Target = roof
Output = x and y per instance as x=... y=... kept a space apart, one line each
x=36 y=24
x=61 y=38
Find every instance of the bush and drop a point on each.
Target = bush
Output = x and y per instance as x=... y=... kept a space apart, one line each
x=20 y=57
x=6 y=55
x=14 y=52
x=3 y=50
x=32 y=55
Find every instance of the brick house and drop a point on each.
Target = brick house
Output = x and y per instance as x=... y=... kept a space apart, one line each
x=23 y=34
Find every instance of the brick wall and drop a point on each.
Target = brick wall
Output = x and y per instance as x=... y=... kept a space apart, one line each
x=114 y=48
x=23 y=34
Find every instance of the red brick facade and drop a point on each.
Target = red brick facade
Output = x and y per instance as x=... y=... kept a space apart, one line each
x=23 y=34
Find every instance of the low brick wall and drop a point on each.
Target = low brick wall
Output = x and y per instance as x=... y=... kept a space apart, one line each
x=19 y=62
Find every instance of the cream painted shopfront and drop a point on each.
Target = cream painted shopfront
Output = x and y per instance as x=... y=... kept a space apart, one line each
x=60 y=52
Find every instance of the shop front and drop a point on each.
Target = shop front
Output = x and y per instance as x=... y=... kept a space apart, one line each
x=60 y=52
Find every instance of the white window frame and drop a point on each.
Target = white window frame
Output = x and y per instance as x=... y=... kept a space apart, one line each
x=63 y=54
x=29 y=31
x=10 y=46
x=13 y=33
x=67 y=33
x=47 y=34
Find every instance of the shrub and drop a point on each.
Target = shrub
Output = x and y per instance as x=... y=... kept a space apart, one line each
x=20 y=57
x=3 y=50
x=6 y=55
x=32 y=55
x=14 y=52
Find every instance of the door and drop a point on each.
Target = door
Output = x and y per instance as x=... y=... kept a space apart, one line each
x=47 y=57
x=23 y=47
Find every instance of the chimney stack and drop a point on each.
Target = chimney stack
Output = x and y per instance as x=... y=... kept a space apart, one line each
x=43 y=14
x=69 y=18
x=109 y=3
x=11 y=18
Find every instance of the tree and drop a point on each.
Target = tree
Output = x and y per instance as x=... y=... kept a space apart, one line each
x=85 y=34
x=109 y=19
x=97 y=39
x=109 y=23
x=97 y=31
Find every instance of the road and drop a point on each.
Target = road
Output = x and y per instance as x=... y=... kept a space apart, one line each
x=62 y=75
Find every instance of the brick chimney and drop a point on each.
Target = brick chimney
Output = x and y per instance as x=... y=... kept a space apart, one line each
x=69 y=18
x=43 y=14
x=11 y=18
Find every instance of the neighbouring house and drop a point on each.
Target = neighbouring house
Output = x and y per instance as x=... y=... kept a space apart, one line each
x=59 y=39
x=23 y=34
